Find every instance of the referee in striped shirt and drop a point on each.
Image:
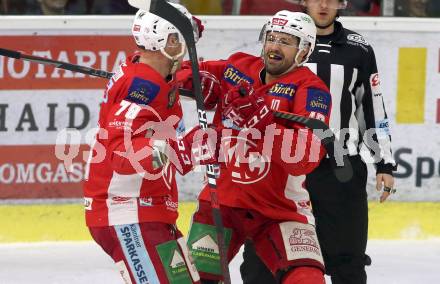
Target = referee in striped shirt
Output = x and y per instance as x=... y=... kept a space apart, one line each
x=347 y=64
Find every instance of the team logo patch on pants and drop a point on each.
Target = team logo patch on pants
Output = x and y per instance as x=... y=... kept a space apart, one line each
x=300 y=241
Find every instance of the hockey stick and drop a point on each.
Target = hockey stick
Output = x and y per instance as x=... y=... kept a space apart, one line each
x=57 y=64
x=342 y=172
x=166 y=11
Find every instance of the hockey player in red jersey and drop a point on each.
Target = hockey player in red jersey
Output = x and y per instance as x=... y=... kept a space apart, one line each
x=130 y=189
x=261 y=182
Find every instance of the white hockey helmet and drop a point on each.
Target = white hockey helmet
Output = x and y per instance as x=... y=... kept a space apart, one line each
x=293 y=23
x=151 y=32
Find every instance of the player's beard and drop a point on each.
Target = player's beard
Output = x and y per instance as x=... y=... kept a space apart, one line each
x=277 y=68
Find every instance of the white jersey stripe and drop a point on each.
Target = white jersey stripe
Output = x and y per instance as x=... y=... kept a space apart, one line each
x=295 y=191
x=353 y=139
x=122 y=204
x=336 y=87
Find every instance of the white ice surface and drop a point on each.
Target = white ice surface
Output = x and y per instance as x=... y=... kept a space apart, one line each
x=398 y=262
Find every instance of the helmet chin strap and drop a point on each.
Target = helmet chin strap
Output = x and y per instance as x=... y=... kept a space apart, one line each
x=296 y=64
x=304 y=60
x=174 y=59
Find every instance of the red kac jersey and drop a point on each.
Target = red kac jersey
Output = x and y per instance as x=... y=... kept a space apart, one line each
x=123 y=185
x=272 y=184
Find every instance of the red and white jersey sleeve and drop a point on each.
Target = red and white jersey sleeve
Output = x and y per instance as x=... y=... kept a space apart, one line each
x=123 y=185
x=271 y=181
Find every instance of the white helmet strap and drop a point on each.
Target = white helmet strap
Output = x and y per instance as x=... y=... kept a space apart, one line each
x=304 y=59
x=174 y=59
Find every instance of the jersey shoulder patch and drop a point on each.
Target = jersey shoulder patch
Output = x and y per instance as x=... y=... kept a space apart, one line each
x=234 y=76
x=357 y=38
x=318 y=101
x=142 y=91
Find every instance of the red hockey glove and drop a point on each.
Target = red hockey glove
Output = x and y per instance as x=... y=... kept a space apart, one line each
x=197 y=147
x=245 y=108
x=211 y=88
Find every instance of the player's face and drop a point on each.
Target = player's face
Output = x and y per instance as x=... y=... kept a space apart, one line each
x=323 y=12
x=280 y=50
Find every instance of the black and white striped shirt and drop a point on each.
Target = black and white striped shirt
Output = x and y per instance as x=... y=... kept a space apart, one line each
x=347 y=64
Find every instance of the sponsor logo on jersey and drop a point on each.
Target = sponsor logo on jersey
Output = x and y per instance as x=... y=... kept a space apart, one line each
x=279 y=22
x=146 y=201
x=382 y=128
x=88 y=203
x=357 y=38
x=234 y=76
x=142 y=92
x=171 y=205
x=121 y=200
x=375 y=84
x=121 y=125
x=283 y=90
x=318 y=101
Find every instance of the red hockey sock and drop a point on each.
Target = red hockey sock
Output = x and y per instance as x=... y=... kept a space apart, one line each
x=304 y=275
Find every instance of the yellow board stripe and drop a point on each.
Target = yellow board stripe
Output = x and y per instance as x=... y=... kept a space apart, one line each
x=411 y=82
x=65 y=222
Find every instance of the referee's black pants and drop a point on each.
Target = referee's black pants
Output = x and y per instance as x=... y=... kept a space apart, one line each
x=341 y=213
